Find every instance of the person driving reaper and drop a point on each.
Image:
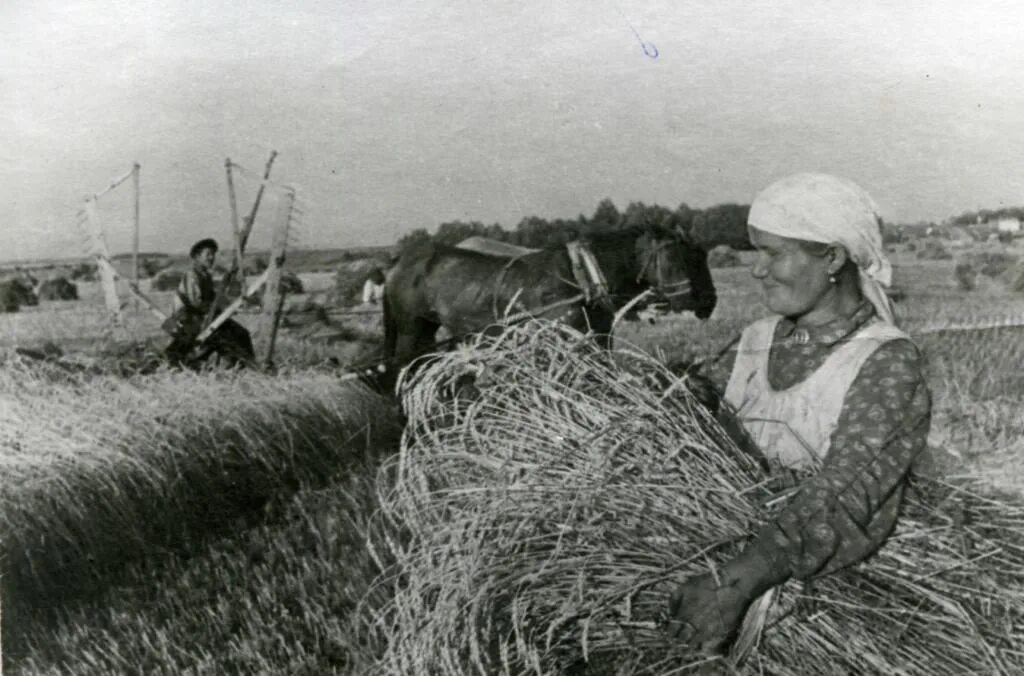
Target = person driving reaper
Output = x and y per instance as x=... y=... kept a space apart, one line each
x=828 y=389
x=195 y=299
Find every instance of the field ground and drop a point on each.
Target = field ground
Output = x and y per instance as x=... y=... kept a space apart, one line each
x=270 y=594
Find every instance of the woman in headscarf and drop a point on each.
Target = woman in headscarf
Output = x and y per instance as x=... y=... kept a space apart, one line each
x=829 y=390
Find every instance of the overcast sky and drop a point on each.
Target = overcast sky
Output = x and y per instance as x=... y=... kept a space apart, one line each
x=395 y=114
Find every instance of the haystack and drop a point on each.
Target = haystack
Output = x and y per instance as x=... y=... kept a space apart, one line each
x=16 y=293
x=10 y=298
x=58 y=288
x=549 y=496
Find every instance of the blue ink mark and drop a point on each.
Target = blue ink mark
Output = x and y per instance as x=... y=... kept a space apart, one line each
x=650 y=51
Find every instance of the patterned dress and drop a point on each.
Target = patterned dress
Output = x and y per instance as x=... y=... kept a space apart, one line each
x=844 y=512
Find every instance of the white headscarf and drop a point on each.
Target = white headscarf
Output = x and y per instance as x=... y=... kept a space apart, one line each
x=830 y=210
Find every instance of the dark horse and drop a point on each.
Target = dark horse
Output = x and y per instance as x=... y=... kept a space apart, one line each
x=467 y=291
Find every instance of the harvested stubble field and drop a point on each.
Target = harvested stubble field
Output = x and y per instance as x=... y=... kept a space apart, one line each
x=275 y=592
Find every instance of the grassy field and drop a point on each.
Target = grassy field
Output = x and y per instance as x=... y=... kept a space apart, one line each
x=161 y=577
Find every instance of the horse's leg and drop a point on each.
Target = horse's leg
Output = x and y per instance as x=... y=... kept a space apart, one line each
x=398 y=352
x=390 y=330
x=412 y=340
x=425 y=332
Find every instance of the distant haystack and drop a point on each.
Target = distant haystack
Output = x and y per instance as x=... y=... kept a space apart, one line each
x=290 y=283
x=84 y=272
x=16 y=293
x=9 y=299
x=58 y=288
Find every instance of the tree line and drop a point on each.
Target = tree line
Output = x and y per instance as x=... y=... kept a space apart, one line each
x=985 y=215
x=720 y=224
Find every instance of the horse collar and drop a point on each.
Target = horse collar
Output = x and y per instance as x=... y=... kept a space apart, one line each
x=587 y=272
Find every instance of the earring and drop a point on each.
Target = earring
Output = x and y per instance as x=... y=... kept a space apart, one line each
x=831 y=279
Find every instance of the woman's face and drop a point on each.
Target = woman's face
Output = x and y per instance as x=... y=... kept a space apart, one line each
x=793 y=281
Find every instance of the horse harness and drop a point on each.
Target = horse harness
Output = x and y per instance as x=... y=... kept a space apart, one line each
x=585 y=271
x=664 y=290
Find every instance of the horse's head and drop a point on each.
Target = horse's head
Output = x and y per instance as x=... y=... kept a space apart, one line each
x=676 y=269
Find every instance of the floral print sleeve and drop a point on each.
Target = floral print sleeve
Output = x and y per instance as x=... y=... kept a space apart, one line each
x=845 y=512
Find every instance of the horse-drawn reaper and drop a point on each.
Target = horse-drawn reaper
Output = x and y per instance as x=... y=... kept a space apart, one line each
x=470 y=289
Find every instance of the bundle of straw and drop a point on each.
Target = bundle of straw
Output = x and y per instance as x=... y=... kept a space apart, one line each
x=549 y=496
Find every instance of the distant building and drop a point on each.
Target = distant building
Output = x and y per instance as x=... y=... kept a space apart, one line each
x=1010 y=225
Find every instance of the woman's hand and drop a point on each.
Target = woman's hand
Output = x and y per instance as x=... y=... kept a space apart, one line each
x=706 y=613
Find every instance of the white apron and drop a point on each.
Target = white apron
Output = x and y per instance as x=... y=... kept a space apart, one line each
x=794 y=426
